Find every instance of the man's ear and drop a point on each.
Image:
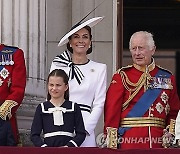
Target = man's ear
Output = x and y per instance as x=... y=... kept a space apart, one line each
x=153 y=50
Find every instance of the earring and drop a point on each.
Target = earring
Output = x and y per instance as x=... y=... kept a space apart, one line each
x=70 y=45
x=89 y=46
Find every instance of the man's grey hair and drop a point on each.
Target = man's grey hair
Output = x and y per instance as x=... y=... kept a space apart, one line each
x=149 y=38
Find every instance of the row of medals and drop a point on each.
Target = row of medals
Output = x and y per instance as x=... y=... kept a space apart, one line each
x=6 y=60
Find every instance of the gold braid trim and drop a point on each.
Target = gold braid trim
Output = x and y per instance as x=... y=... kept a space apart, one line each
x=172 y=126
x=127 y=81
x=124 y=67
x=143 y=81
x=5 y=109
x=142 y=122
x=111 y=137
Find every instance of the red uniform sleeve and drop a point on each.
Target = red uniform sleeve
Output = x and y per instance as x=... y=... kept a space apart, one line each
x=18 y=79
x=113 y=103
x=174 y=102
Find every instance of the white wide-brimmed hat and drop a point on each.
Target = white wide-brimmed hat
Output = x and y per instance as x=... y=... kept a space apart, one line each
x=91 y=22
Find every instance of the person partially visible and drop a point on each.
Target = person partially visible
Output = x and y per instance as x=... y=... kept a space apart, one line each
x=12 y=84
x=6 y=134
x=87 y=78
x=177 y=131
x=141 y=99
x=59 y=119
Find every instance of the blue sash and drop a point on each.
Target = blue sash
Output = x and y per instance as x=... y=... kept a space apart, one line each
x=144 y=103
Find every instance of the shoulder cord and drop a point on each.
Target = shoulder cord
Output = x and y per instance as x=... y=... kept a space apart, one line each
x=144 y=80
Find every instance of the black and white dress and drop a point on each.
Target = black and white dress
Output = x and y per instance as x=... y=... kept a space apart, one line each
x=60 y=125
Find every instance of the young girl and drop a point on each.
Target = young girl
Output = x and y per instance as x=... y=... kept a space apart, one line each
x=59 y=119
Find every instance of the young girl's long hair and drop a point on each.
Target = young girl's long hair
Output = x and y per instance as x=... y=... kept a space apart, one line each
x=59 y=73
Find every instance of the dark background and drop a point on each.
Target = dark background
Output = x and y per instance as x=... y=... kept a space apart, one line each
x=160 y=17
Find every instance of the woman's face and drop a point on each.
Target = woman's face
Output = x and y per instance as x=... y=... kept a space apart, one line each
x=80 y=41
x=56 y=87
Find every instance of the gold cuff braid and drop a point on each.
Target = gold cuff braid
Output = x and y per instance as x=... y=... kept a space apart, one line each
x=172 y=126
x=5 y=109
x=111 y=137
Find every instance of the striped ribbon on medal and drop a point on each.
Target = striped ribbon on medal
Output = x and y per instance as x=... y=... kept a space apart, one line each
x=65 y=59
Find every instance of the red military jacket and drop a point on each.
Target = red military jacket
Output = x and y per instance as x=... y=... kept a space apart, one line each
x=12 y=81
x=165 y=107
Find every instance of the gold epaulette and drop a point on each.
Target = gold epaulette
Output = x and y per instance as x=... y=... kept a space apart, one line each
x=164 y=69
x=123 y=68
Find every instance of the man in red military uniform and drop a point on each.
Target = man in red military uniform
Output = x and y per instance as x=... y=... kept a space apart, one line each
x=141 y=99
x=12 y=83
